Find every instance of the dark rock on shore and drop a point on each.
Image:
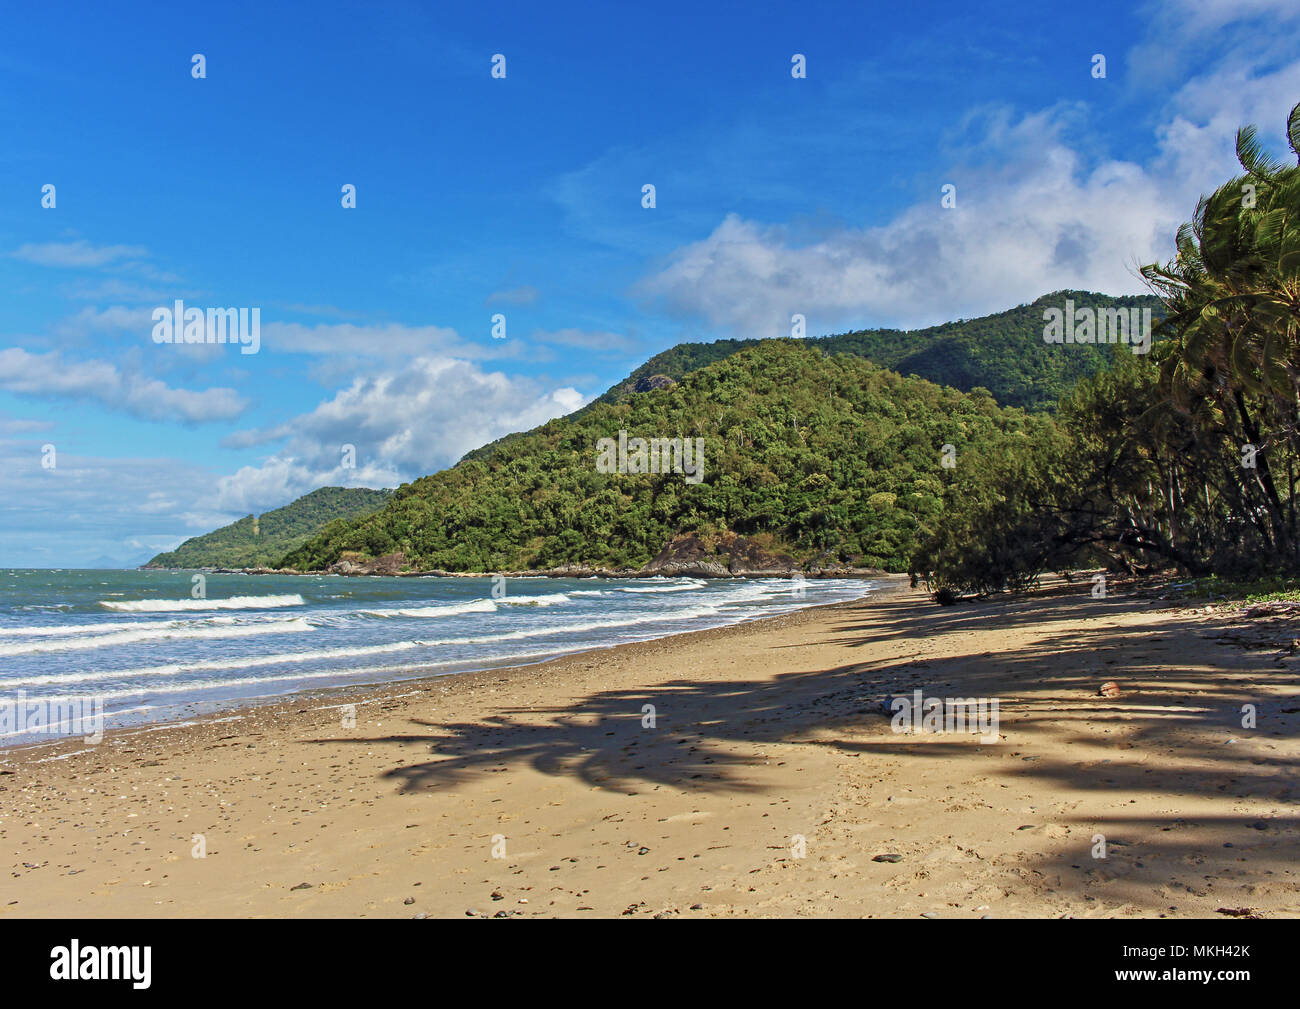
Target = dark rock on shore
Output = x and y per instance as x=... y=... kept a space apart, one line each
x=729 y=555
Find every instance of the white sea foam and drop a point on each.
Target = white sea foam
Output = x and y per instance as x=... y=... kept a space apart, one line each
x=175 y=630
x=350 y=644
x=106 y=627
x=240 y=662
x=190 y=686
x=445 y=610
x=642 y=589
x=174 y=605
x=551 y=599
x=333 y=654
x=111 y=626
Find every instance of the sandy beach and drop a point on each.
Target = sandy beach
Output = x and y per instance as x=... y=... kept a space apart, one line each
x=769 y=785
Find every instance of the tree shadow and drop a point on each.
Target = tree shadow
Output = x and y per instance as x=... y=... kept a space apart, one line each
x=1170 y=730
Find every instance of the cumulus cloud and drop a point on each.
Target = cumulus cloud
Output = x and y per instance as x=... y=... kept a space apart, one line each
x=51 y=375
x=1008 y=240
x=402 y=424
x=1044 y=214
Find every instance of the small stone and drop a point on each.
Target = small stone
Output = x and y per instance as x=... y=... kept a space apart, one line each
x=471 y=913
x=643 y=851
x=502 y=914
x=1260 y=825
x=1109 y=689
x=497 y=895
x=409 y=900
x=888 y=858
x=420 y=915
x=301 y=886
x=928 y=914
x=697 y=907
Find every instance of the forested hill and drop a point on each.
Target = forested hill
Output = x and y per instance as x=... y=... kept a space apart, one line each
x=820 y=457
x=1003 y=353
x=262 y=540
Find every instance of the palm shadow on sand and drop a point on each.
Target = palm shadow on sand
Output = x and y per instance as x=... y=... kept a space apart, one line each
x=600 y=739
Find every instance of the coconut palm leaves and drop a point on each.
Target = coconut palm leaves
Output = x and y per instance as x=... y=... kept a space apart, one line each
x=1231 y=353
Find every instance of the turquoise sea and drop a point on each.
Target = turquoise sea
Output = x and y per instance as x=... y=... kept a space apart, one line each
x=148 y=646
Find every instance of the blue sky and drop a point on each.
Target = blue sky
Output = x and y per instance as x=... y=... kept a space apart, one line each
x=522 y=196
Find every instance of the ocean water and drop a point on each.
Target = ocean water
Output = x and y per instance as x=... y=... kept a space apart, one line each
x=137 y=645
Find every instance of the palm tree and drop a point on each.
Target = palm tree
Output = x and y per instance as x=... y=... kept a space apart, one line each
x=1231 y=357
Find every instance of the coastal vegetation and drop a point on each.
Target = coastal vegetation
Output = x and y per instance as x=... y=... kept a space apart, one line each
x=260 y=541
x=1188 y=459
x=825 y=458
x=1003 y=353
x=976 y=454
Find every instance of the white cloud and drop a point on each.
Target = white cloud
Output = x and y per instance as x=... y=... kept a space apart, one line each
x=50 y=375
x=390 y=340
x=76 y=254
x=1041 y=215
x=104 y=506
x=114 y=318
x=403 y=424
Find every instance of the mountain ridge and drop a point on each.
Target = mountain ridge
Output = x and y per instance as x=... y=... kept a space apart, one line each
x=1002 y=356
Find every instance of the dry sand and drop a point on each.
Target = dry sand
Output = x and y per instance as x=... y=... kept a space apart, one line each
x=765 y=732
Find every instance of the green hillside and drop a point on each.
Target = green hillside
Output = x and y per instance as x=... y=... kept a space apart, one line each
x=823 y=457
x=1003 y=353
x=261 y=541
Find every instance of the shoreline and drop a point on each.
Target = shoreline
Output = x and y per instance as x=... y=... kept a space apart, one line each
x=891 y=584
x=771 y=785
x=711 y=572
